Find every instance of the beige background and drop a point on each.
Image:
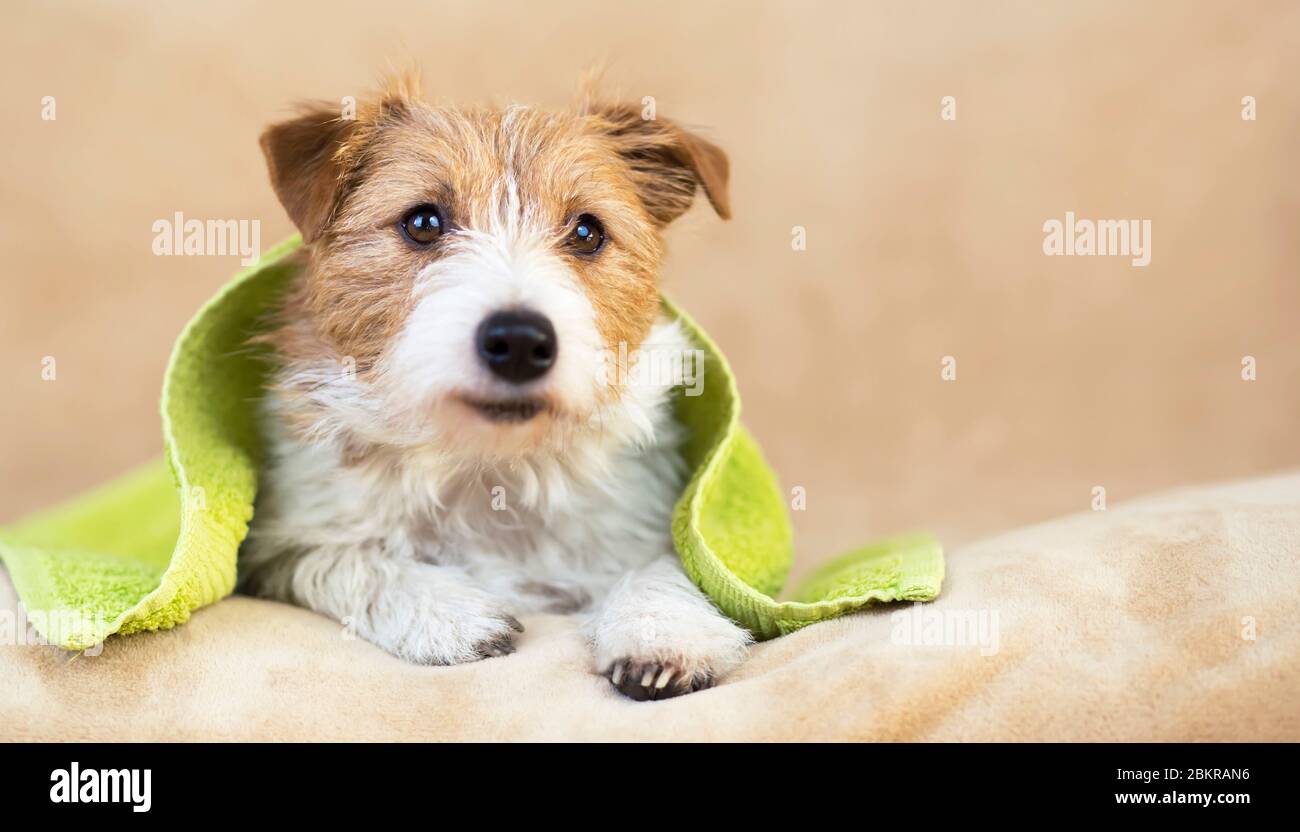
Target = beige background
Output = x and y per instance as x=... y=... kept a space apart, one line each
x=924 y=236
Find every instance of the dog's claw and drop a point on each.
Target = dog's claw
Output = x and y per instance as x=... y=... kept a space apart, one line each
x=642 y=681
x=500 y=646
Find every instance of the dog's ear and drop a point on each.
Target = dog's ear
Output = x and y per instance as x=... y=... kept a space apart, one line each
x=311 y=157
x=303 y=156
x=667 y=161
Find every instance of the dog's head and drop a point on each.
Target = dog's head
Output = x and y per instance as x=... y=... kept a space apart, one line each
x=471 y=272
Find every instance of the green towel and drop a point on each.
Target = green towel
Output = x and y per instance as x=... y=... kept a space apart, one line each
x=146 y=550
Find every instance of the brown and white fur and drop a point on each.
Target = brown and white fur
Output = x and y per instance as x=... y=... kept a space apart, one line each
x=412 y=494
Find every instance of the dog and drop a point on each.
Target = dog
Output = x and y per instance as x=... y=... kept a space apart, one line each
x=456 y=432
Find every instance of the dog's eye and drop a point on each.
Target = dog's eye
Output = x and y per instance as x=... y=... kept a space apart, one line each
x=423 y=224
x=588 y=235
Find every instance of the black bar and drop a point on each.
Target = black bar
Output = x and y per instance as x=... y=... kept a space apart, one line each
x=909 y=781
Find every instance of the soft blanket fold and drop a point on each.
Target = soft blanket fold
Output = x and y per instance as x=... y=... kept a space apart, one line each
x=146 y=550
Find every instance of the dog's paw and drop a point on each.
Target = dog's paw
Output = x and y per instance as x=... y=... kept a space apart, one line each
x=658 y=654
x=431 y=616
x=500 y=645
x=463 y=636
x=655 y=680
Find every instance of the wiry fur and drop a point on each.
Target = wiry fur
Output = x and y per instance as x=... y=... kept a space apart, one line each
x=389 y=502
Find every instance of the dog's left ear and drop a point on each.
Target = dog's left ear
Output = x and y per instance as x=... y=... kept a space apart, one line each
x=667 y=161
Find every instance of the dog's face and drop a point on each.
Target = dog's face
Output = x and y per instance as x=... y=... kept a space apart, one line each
x=472 y=272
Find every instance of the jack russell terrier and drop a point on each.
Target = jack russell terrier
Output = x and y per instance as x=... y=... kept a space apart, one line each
x=447 y=445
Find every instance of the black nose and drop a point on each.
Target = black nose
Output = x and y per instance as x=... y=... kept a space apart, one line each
x=517 y=346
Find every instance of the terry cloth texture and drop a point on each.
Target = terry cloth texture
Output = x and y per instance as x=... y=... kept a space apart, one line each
x=144 y=552
x=1166 y=618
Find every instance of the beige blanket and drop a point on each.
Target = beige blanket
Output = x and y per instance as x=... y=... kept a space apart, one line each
x=1169 y=618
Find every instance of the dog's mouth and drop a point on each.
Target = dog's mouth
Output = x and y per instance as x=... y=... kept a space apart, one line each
x=506 y=410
